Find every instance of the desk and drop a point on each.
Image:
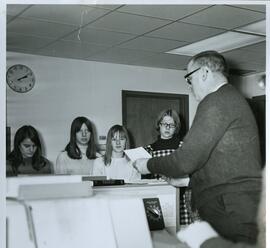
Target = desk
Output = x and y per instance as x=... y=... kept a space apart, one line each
x=166 y=193
x=77 y=222
x=169 y=201
x=111 y=216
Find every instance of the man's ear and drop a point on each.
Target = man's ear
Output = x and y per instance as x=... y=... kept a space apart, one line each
x=205 y=72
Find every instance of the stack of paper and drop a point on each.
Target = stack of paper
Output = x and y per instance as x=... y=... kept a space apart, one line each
x=136 y=153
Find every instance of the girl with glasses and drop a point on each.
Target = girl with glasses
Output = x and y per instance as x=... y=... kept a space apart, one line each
x=169 y=139
x=114 y=164
x=168 y=126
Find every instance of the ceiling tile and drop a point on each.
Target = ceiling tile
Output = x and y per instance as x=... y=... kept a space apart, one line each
x=15 y=9
x=26 y=41
x=185 y=32
x=257 y=28
x=170 y=12
x=242 y=56
x=120 y=55
x=69 y=49
x=154 y=64
x=152 y=44
x=9 y=18
x=106 y=6
x=164 y=60
x=222 y=16
x=99 y=36
x=39 y=28
x=260 y=8
x=258 y=48
x=33 y=36
x=128 y=23
x=253 y=67
x=67 y=14
x=20 y=50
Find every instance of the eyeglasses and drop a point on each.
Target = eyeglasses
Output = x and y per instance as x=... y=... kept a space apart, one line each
x=188 y=75
x=169 y=125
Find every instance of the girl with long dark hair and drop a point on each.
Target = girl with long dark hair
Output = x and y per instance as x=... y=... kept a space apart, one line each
x=26 y=157
x=77 y=158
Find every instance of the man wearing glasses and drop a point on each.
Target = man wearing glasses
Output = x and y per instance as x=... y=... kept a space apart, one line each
x=220 y=152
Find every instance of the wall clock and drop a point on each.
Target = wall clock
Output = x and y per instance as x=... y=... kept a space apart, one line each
x=20 y=78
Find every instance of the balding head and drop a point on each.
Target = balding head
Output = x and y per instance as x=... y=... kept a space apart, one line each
x=213 y=60
x=207 y=71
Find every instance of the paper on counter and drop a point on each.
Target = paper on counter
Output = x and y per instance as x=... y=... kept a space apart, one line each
x=148 y=182
x=136 y=153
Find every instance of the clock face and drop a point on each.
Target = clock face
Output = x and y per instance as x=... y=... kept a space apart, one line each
x=20 y=78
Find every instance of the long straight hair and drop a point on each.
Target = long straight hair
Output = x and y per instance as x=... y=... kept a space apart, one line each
x=16 y=158
x=114 y=129
x=72 y=148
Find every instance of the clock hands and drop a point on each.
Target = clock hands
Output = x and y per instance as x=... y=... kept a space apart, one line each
x=19 y=79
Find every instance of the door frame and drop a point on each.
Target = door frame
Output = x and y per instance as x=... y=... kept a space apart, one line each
x=182 y=98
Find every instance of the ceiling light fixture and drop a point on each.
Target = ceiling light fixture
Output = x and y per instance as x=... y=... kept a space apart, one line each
x=258 y=28
x=226 y=41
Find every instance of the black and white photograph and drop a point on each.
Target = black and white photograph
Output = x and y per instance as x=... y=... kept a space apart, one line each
x=134 y=124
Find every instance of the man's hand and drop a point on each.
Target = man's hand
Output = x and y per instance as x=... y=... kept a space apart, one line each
x=178 y=182
x=202 y=231
x=141 y=166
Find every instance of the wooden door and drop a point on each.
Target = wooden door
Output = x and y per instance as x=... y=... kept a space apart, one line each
x=140 y=110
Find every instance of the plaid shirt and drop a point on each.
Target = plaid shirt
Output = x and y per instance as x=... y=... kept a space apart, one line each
x=163 y=148
x=162 y=153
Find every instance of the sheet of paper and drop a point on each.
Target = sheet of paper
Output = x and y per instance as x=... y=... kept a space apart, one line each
x=148 y=182
x=136 y=153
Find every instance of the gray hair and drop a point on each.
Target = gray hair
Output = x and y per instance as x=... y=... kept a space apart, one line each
x=212 y=59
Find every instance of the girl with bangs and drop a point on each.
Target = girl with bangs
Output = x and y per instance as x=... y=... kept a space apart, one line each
x=26 y=157
x=114 y=164
x=80 y=152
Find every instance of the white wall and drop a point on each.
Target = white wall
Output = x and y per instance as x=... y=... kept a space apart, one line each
x=67 y=88
x=248 y=85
